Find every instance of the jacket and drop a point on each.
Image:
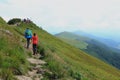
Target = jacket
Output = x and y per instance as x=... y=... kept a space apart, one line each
x=35 y=39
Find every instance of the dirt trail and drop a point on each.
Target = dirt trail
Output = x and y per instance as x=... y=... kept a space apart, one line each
x=36 y=71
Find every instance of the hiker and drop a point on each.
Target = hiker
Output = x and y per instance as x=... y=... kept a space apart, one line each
x=28 y=36
x=35 y=43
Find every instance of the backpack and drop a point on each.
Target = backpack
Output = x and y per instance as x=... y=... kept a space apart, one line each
x=27 y=33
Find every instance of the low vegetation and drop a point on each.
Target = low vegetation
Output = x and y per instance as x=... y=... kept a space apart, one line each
x=12 y=55
x=92 y=47
x=64 y=62
x=14 y=21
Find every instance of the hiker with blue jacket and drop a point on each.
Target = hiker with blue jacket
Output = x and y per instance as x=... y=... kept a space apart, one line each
x=28 y=36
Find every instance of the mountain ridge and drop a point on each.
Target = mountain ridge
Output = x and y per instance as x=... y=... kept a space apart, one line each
x=108 y=41
x=93 y=47
x=63 y=60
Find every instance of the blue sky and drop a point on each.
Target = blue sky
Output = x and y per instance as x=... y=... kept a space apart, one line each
x=3 y=1
x=94 y=16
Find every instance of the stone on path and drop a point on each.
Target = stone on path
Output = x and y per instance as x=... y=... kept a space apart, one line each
x=23 y=78
x=36 y=61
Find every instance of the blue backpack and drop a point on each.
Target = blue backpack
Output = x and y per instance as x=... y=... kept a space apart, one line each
x=28 y=34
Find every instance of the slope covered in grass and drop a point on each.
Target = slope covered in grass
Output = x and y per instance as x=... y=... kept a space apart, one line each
x=64 y=61
x=93 y=47
x=109 y=41
x=73 y=39
x=12 y=55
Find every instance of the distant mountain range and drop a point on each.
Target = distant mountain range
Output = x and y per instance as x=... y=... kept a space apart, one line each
x=109 y=42
x=63 y=61
x=92 y=46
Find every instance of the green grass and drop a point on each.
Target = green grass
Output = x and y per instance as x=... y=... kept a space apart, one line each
x=77 y=43
x=12 y=54
x=69 y=57
x=92 y=47
x=64 y=61
x=90 y=68
x=73 y=39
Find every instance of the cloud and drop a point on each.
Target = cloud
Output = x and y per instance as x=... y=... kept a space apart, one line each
x=59 y=15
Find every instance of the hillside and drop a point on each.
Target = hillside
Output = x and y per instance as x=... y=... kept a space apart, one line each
x=109 y=41
x=64 y=61
x=74 y=39
x=93 y=47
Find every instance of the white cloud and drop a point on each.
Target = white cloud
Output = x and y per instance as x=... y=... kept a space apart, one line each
x=87 y=15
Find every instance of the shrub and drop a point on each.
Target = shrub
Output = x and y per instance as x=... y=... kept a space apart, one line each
x=14 y=21
x=55 y=68
x=76 y=75
x=6 y=74
x=41 y=51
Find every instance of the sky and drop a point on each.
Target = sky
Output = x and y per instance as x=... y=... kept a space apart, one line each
x=92 y=16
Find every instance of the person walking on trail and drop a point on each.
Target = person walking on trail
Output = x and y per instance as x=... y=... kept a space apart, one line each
x=28 y=36
x=35 y=43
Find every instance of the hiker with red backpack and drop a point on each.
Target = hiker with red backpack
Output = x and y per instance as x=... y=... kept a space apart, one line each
x=35 y=43
x=28 y=36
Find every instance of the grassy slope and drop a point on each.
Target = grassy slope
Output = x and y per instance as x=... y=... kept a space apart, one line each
x=105 y=53
x=93 y=47
x=73 y=39
x=67 y=57
x=12 y=55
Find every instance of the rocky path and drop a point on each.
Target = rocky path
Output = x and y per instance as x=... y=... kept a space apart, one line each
x=36 y=72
